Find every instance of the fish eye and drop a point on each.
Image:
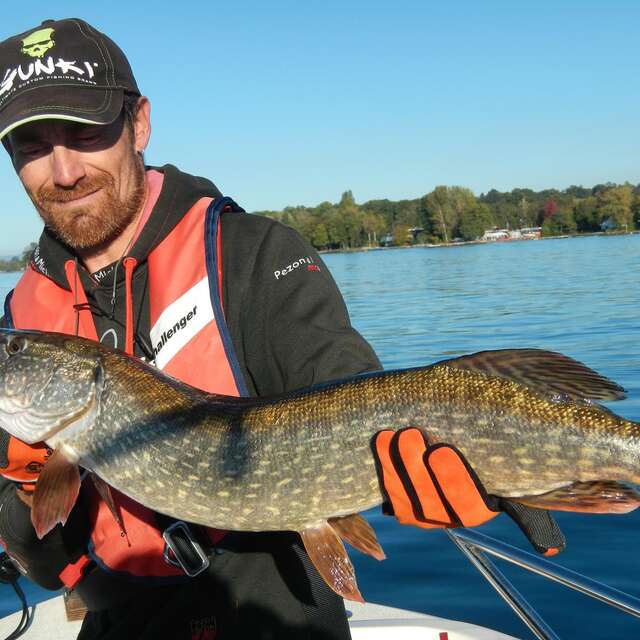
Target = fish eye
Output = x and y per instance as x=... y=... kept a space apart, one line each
x=15 y=345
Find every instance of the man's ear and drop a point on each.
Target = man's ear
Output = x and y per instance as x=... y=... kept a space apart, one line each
x=142 y=124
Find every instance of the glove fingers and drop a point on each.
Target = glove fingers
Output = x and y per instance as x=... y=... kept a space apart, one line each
x=389 y=480
x=538 y=525
x=408 y=452
x=403 y=499
x=460 y=486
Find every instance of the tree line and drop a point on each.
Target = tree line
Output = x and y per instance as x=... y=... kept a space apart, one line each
x=450 y=213
x=18 y=263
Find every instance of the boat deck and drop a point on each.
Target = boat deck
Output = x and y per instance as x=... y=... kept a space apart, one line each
x=367 y=622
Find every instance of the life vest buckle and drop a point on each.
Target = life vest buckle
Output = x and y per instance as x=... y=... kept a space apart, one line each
x=182 y=550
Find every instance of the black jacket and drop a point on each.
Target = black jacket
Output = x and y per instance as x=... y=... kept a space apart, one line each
x=289 y=327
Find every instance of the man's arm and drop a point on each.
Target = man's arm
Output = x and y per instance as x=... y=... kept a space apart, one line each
x=288 y=320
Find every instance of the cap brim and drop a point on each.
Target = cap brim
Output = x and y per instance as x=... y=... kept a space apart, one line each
x=88 y=105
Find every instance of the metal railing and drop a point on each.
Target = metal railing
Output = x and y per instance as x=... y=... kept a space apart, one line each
x=476 y=546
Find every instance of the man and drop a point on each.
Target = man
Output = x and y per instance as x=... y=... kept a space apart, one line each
x=159 y=264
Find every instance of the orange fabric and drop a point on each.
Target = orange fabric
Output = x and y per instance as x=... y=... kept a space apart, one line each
x=393 y=485
x=38 y=303
x=83 y=324
x=179 y=257
x=25 y=462
x=459 y=487
x=439 y=481
x=129 y=266
x=175 y=268
x=139 y=550
x=74 y=572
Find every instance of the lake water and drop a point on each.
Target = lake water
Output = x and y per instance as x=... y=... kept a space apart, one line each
x=578 y=296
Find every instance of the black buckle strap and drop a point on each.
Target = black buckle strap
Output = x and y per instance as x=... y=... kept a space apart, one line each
x=181 y=549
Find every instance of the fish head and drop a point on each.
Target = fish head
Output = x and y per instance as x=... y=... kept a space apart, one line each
x=48 y=382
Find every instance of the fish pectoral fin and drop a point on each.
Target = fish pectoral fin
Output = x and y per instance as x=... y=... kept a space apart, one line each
x=587 y=497
x=326 y=551
x=545 y=372
x=55 y=494
x=355 y=530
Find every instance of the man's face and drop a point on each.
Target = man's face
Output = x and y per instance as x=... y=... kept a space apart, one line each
x=86 y=181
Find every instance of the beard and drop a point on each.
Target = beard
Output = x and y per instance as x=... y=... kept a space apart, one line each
x=95 y=225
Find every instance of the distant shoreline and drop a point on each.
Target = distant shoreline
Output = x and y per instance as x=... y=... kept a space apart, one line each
x=443 y=245
x=464 y=243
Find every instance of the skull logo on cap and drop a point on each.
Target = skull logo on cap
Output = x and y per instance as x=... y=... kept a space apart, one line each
x=38 y=43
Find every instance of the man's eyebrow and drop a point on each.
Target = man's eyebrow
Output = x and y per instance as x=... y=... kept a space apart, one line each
x=24 y=136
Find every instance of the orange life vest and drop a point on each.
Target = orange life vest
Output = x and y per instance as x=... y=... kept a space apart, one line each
x=191 y=342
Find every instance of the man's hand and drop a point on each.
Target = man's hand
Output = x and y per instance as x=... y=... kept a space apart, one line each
x=20 y=462
x=434 y=487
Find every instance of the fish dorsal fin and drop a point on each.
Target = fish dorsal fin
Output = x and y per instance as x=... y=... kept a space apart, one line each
x=55 y=494
x=587 y=497
x=355 y=530
x=545 y=372
x=326 y=551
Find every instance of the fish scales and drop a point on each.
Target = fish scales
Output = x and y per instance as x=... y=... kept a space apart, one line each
x=293 y=461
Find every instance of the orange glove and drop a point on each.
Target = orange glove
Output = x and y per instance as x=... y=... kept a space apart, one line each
x=21 y=462
x=434 y=486
x=429 y=486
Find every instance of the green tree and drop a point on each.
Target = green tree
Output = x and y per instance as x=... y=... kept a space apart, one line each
x=351 y=220
x=438 y=211
x=347 y=199
x=444 y=207
x=560 y=222
x=374 y=226
x=635 y=209
x=475 y=221
x=25 y=257
x=615 y=204
x=586 y=215
x=18 y=263
x=338 y=234
x=320 y=236
x=402 y=235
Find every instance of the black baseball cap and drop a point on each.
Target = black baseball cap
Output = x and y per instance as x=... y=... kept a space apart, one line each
x=63 y=69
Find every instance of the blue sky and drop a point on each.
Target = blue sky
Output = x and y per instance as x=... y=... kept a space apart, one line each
x=285 y=103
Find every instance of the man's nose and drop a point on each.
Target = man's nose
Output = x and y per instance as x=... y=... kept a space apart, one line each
x=67 y=166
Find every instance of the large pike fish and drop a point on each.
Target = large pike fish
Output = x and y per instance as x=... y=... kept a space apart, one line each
x=526 y=420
